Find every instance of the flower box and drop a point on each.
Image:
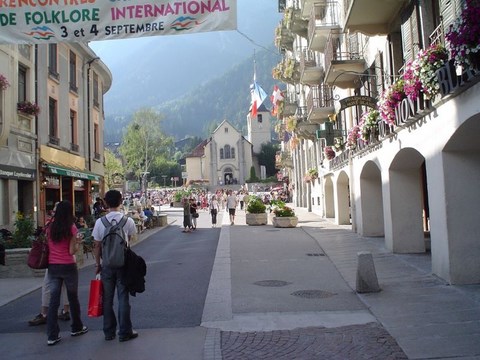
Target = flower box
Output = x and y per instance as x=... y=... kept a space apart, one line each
x=285 y=221
x=256 y=219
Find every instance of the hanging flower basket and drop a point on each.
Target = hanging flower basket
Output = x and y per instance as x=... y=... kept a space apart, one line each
x=4 y=84
x=463 y=36
x=329 y=152
x=28 y=108
x=389 y=100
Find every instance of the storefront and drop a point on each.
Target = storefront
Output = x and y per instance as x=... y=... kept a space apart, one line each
x=61 y=183
x=16 y=192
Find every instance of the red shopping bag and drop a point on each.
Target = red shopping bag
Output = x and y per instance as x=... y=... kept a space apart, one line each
x=95 y=300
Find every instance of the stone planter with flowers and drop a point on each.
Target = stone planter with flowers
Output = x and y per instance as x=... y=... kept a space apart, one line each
x=284 y=217
x=256 y=214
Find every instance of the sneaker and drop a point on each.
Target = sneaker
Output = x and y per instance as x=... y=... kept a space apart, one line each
x=80 y=332
x=64 y=315
x=131 y=336
x=38 y=320
x=54 y=341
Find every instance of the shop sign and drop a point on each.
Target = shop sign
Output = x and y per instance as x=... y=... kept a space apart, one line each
x=449 y=80
x=57 y=170
x=358 y=101
x=13 y=172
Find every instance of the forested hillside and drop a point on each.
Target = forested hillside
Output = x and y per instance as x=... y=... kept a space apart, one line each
x=198 y=112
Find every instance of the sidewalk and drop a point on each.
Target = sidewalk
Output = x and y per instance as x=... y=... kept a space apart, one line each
x=290 y=293
x=299 y=284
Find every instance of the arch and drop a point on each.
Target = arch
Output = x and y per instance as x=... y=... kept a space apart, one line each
x=406 y=196
x=342 y=215
x=457 y=257
x=329 y=198
x=371 y=201
x=228 y=178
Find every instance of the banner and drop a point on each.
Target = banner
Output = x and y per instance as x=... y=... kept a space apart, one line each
x=52 y=21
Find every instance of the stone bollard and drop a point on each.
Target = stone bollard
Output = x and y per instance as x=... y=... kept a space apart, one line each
x=366 y=276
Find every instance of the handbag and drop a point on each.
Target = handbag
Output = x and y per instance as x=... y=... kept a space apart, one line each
x=38 y=255
x=95 y=299
x=195 y=215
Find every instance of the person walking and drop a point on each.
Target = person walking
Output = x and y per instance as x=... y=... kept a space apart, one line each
x=187 y=218
x=63 y=243
x=214 y=209
x=231 y=206
x=112 y=277
x=193 y=213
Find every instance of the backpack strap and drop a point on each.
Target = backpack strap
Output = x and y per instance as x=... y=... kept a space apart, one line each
x=105 y=222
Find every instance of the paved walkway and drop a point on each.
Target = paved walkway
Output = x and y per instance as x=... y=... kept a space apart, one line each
x=290 y=294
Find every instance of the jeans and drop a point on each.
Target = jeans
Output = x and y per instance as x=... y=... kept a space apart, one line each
x=213 y=212
x=58 y=274
x=111 y=279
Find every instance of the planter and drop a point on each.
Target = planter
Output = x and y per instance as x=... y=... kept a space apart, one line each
x=256 y=219
x=285 y=222
x=16 y=265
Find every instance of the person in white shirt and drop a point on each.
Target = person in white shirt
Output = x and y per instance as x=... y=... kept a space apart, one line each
x=214 y=210
x=231 y=206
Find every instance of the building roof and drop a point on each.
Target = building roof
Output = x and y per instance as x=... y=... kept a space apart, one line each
x=199 y=150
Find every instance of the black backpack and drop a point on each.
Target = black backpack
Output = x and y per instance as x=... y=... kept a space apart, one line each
x=114 y=243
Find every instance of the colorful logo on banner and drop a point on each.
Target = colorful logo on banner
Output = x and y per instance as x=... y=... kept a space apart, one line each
x=42 y=21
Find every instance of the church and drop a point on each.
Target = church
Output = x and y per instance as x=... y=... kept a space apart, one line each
x=227 y=157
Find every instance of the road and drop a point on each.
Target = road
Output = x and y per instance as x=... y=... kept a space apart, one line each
x=179 y=267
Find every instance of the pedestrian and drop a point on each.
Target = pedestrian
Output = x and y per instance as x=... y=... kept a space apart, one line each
x=112 y=277
x=241 y=198
x=63 y=243
x=214 y=209
x=193 y=213
x=187 y=218
x=231 y=206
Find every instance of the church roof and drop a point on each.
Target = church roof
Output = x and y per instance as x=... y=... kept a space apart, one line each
x=199 y=150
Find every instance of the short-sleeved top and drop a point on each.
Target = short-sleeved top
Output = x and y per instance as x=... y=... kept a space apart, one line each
x=99 y=229
x=231 y=202
x=59 y=252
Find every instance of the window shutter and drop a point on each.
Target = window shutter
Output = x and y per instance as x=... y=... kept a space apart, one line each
x=450 y=10
x=410 y=32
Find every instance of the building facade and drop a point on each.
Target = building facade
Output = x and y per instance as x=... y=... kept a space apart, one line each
x=379 y=106
x=224 y=159
x=52 y=128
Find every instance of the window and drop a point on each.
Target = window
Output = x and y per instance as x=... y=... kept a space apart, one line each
x=73 y=130
x=226 y=130
x=52 y=60
x=232 y=152
x=227 y=151
x=259 y=118
x=22 y=83
x=221 y=154
x=96 y=136
x=52 y=118
x=95 y=90
x=73 y=72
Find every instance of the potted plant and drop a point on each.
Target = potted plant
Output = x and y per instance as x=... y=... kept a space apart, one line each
x=4 y=84
x=329 y=152
x=353 y=134
x=369 y=125
x=256 y=214
x=28 y=108
x=463 y=36
x=389 y=100
x=284 y=217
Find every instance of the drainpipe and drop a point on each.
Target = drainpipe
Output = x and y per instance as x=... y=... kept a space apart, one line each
x=89 y=127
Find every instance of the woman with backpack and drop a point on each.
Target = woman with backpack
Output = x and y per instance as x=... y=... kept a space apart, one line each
x=63 y=243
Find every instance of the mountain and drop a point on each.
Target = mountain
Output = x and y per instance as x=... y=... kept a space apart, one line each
x=199 y=111
x=166 y=71
x=151 y=70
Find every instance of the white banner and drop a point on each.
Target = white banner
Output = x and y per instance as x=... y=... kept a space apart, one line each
x=51 y=21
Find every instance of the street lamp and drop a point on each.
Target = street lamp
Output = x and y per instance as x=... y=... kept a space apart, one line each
x=164 y=178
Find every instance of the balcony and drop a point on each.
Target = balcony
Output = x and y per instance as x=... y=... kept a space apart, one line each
x=295 y=22
x=287 y=71
x=371 y=17
x=283 y=37
x=344 y=61
x=320 y=104
x=290 y=104
x=283 y=159
x=306 y=130
x=324 y=18
x=306 y=7
x=311 y=72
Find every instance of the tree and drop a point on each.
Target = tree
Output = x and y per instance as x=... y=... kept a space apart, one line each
x=266 y=157
x=113 y=169
x=143 y=142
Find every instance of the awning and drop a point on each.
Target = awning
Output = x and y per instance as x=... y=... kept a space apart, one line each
x=58 y=170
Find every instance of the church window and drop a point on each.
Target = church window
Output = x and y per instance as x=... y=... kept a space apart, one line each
x=259 y=118
x=232 y=152
x=227 y=152
x=221 y=154
x=226 y=130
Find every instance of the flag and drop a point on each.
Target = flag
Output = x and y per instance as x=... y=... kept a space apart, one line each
x=258 y=97
x=275 y=98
